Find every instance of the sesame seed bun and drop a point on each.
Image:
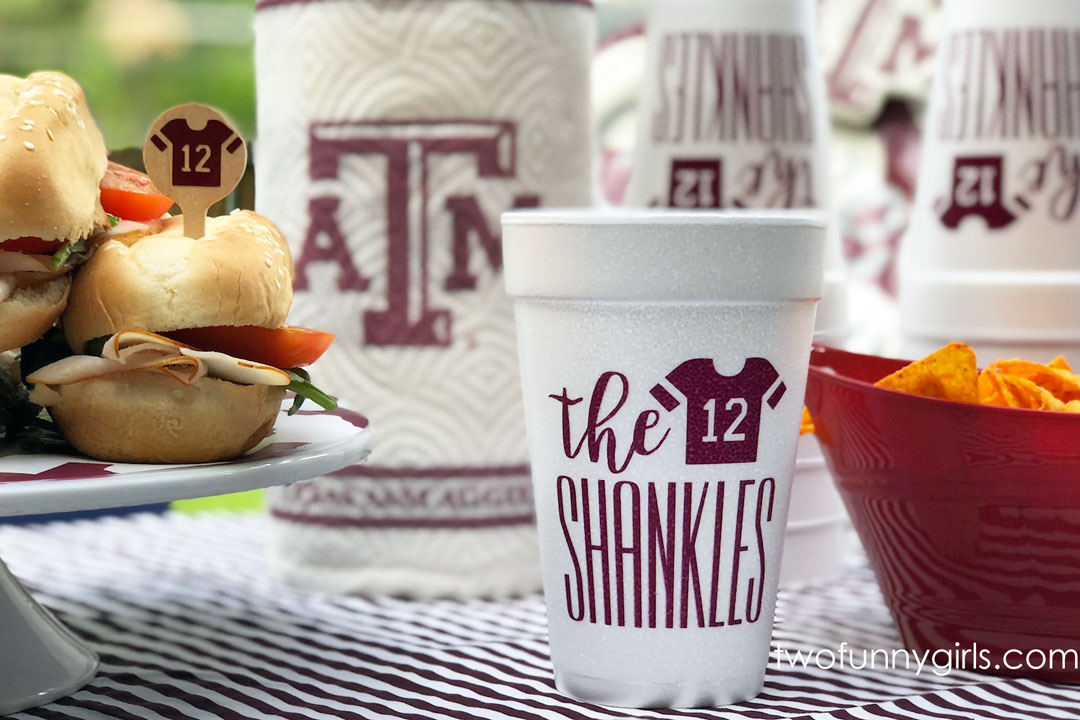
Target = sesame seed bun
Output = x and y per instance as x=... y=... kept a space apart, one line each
x=52 y=158
x=239 y=273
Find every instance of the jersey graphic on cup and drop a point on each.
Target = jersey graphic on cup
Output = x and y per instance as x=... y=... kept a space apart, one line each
x=977 y=190
x=196 y=160
x=723 y=414
x=696 y=184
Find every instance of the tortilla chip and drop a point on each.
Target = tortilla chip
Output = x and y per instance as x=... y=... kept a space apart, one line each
x=1060 y=363
x=1005 y=390
x=1064 y=385
x=807 y=427
x=991 y=391
x=948 y=374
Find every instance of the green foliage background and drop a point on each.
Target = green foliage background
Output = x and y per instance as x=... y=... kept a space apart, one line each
x=137 y=58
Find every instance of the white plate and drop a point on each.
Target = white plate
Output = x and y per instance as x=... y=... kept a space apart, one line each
x=303 y=446
x=40 y=660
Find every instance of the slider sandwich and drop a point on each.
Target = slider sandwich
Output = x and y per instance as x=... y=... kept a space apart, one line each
x=58 y=192
x=52 y=160
x=176 y=348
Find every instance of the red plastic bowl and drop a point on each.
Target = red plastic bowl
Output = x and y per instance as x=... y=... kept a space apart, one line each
x=970 y=514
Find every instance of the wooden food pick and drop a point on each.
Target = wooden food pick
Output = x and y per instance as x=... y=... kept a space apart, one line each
x=194 y=156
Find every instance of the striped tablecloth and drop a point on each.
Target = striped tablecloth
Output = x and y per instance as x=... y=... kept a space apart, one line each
x=189 y=625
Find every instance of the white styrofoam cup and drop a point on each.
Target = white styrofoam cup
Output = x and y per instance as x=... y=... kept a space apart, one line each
x=664 y=358
x=991 y=256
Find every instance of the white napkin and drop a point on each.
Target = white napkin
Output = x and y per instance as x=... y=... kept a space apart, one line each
x=392 y=134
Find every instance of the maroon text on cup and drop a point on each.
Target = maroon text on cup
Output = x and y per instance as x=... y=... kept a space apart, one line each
x=650 y=552
x=1016 y=87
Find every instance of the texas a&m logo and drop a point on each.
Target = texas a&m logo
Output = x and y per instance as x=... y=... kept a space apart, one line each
x=409 y=151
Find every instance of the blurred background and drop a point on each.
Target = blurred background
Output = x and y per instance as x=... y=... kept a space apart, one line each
x=136 y=58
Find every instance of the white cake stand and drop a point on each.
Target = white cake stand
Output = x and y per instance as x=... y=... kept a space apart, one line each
x=40 y=659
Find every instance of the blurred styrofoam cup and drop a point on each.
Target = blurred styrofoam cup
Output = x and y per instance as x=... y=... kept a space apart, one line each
x=663 y=359
x=733 y=108
x=814 y=539
x=991 y=255
x=734 y=114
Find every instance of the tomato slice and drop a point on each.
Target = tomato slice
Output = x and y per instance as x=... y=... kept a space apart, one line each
x=31 y=245
x=130 y=195
x=283 y=347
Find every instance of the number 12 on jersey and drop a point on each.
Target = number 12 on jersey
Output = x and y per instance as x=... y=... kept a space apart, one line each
x=730 y=435
x=204 y=157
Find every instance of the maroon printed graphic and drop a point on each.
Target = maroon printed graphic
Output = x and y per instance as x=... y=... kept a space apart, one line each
x=600 y=440
x=1010 y=84
x=659 y=554
x=375 y=497
x=723 y=414
x=696 y=184
x=868 y=65
x=977 y=190
x=1058 y=175
x=196 y=154
x=408 y=150
x=732 y=87
x=322 y=213
x=645 y=551
x=64 y=471
x=775 y=180
x=749 y=91
x=778 y=180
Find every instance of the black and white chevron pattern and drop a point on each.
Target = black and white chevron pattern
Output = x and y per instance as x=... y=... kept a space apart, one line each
x=189 y=624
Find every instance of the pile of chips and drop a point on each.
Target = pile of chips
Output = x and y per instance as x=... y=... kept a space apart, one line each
x=951 y=374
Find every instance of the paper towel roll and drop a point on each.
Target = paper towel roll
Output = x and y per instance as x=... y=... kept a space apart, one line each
x=392 y=134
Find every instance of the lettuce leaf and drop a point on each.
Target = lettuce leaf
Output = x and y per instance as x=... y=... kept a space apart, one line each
x=61 y=256
x=301 y=385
